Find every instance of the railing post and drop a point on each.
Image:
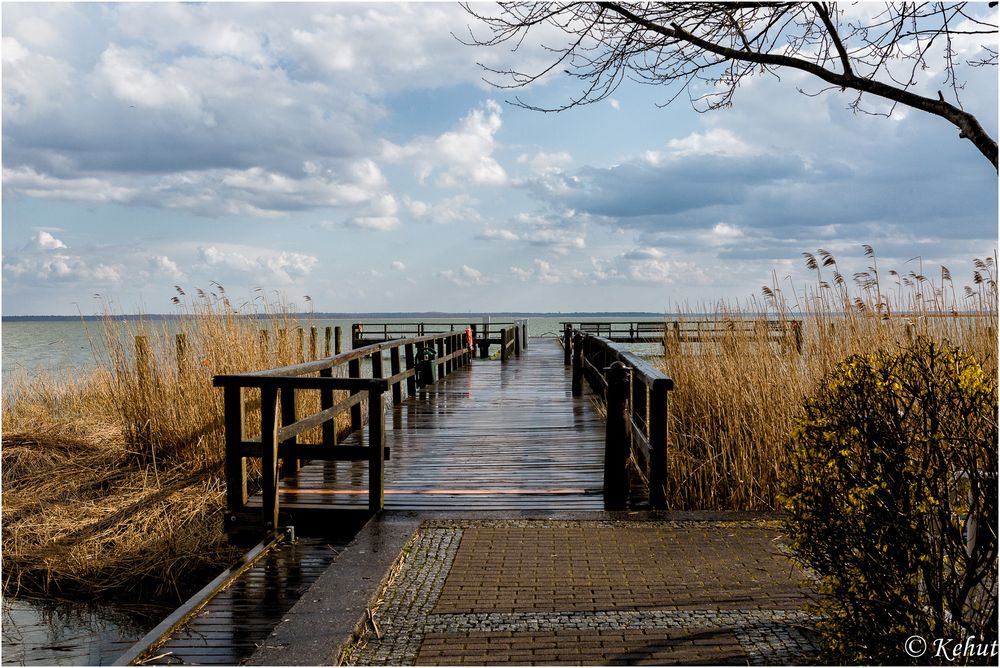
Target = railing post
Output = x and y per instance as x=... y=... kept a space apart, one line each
x=517 y=339
x=440 y=354
x=354 y=371
x=142 y=360
x=269 y=458
x=289 y=465
x=397 y=386
x=236 y=464
x=376 y=451
x=484 y=346
x=524 y=334
x=617 y=438
x=658 y=444
x=356 y=331
x=326 y=401
x=578 y=365
x=449 y=342
x=411 y=381
x=567 y=345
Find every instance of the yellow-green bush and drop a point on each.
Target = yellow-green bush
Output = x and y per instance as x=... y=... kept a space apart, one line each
x=892 y=500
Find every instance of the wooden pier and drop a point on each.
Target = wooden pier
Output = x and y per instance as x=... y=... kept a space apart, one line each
x=489 y=436
x=432 y=428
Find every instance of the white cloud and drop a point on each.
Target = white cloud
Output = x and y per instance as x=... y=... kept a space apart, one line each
x=266 y=266
x=457 y=157
x=164 y=265
x=540 y=272
x=144 y=85
x=465 y=276
x=499 y=235
x=461 y=208
x=398 y=265
x=45 y=241
x=60 y=267
x=546 y=163
x=27 y=181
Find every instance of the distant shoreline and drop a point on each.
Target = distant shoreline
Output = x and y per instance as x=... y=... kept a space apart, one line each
x=347 y=316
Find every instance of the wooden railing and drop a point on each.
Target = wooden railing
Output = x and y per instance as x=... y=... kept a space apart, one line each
x=281 y=425
x=675 y=332
x=483 y=334
x=635 y=393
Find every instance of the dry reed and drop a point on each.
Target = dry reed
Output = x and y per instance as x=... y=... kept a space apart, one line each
x=735 y=401
x=113 y=482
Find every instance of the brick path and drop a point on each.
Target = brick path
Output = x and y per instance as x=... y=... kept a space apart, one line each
x=534 y=592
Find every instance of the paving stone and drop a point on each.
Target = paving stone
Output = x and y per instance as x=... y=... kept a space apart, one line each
x=531 y=592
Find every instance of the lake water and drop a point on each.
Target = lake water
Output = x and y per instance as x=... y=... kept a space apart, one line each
x=42 y=633
x=73 y=346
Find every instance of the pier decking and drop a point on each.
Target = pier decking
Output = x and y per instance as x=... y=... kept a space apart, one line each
x=489 y=436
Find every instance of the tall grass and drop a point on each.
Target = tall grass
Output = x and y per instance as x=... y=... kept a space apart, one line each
x=735 y=402
x=113 y=481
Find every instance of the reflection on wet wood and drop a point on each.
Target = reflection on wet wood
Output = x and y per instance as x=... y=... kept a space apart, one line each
x=492 y=436
x=233 y=623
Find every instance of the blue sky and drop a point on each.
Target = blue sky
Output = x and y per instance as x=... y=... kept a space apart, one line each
x=353 y=153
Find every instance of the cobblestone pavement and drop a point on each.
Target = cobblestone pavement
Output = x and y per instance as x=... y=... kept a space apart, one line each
x=539 y=592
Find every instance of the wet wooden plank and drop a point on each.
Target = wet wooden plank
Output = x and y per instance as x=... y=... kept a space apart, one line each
x=233 y=623
x=492 y=436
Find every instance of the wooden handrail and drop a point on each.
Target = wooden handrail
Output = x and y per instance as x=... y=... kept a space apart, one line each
x=635 y=393
x=281 y=425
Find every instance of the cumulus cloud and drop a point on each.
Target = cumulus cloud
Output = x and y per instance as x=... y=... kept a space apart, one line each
x=461 y=208
x=60 y=267
x=266 y=266
x=542 y=272
x=465 y=276
x=459 y=156
x=162 y=264
x=45 y=241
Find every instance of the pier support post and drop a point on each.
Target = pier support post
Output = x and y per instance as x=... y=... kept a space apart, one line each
x=567 y=344
x=578 y=365
x=269 y=458
x=376 y=451
x=394 y=368
x=236 y=463
x=617 y=438
x=325 y=402
x=411 y=381
x=327 y=340
x=337 y=348
x=658 y=444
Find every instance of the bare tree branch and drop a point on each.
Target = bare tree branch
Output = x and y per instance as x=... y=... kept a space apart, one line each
x=720 y=44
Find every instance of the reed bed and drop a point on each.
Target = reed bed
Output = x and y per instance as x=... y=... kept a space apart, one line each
x=735 y=402
x=112 y=482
